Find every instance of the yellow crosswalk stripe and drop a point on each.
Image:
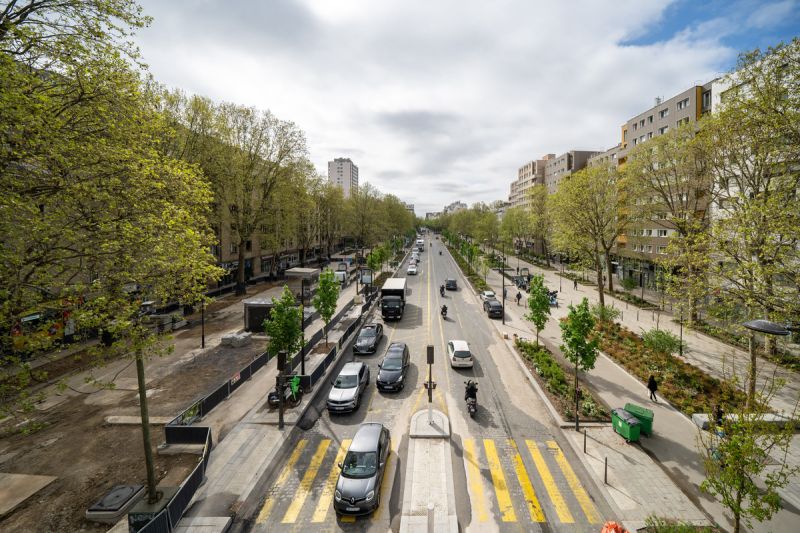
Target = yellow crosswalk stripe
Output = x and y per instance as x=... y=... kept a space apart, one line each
x=475 y=485
x=549 y=483
x=305 y=484
x=534 y=508
x=282 y=477
x=499 y=482
x=324 y=503
x=580 y=494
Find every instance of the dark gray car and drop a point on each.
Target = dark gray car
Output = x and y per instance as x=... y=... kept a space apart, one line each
x=359 y=484
x=392 y=373
x=345 y=395
x=493 y=308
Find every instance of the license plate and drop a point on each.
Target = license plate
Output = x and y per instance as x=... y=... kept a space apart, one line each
x=352 y=509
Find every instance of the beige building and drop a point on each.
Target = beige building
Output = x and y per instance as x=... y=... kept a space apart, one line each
x=561 y=167
x=343 y=173
x=528 y=175
x=609 y=158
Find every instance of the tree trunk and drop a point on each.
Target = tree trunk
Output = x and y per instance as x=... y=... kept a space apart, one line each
x=546 y=255
x=598 y=267
x=610 y=278
x=751 y=373
x=152 y=494
x=241 y=286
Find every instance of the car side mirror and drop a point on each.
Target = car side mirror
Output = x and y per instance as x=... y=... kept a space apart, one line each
x=380 y=365
x=339 y=465
x=382 y=464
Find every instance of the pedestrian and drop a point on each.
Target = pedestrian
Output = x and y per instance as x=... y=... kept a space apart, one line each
x=652 y=384
x=519 y=297
x=505 y=293
x=575 y=284
x=718 y=415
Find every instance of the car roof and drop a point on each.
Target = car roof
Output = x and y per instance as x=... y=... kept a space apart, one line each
x=366 y=438
x=488 y=292
x=395 y=347
x=494 y=303
x=450 y=279
x=351 y=368
x=371 y=325
x=460 y=345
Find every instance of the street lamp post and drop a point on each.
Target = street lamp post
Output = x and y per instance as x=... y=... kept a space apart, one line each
x=680 y=346
x=561 y=277
x=302 y=327
x=768 y=328
x=503 y=279
x=203 y=325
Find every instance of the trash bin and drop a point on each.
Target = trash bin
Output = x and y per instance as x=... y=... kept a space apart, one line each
x=644 y=415
x=625 y=424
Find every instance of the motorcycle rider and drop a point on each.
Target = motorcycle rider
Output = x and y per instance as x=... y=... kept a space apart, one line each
x=444 y=310
x=471 y=391
x=441 y=290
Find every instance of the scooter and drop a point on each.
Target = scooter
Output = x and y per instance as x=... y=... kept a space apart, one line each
x=471 y=397
x=444 y=311
x=292 y=393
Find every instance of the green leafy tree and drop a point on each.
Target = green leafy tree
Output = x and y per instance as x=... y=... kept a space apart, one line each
x=538 y=304
x=740 y=461
x=326 y=298
x=541 y=222
x=578 y=348
x=283 y=325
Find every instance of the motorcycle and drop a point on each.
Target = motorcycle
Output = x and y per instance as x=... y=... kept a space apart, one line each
x=292 y=394
x=471 y=397
x=444 y=311
x=553 y=297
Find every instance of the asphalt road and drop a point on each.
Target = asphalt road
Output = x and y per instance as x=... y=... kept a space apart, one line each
x=512 y=470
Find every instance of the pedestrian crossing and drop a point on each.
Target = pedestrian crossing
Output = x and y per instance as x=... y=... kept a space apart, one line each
x=512 y=481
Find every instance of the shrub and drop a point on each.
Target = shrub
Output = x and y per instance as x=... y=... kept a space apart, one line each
x=662 y=342
x=605 y=313
x=628 y=284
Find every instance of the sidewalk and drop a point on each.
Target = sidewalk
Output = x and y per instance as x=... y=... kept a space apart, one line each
x=673 y=444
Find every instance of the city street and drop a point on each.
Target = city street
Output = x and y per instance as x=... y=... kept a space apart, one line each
x=512 y=470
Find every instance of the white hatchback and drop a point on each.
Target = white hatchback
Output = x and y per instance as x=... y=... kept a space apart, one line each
x=459 y=354
x=488 y=295
x=412 y=270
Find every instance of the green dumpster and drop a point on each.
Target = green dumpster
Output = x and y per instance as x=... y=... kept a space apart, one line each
x=625 y=424
x=644 y=415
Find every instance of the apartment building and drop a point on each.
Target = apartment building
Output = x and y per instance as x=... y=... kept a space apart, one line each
x=432 y=215
x=645 y=242
x=455 y=206
x=409 y=208
x=609 y=158
x=343 y=173
x=528 y=175
x=561 y=167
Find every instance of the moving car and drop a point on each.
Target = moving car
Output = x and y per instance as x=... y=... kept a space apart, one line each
x=345 y=395
x=368 y=338
x=412 y=270
x=450 y=284
x=493 y=308
x=488 y=295
x=392 y=370
x=459 y=354
x=358 y=489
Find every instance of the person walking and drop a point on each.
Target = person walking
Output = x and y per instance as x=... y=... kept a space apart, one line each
x=519 y=297
x=652 y=384
x=575 y=284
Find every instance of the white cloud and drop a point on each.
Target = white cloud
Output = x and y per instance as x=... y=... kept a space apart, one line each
x=434 y=101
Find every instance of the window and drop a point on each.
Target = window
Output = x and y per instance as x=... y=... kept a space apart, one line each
x=662 y=233
x=683 y=121
x=641 y=139
x=683 y=104
x=634 y=142
x=635 y=126
x=662 y=131
x=234 y=248
x=248 y=246
x=648 y=233
x=650 y=119
x=641 y=123
x=662 y=249
x=650 y=135
x=649 y=248
x=663 y=113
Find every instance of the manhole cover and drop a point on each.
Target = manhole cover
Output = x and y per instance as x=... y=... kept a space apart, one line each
x=116 y=498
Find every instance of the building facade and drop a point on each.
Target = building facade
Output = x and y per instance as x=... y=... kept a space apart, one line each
x=561 y=167
x=343 y=173
x=455 y=206
x=528 y=175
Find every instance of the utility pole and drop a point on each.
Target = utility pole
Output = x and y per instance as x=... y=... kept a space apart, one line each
x=203 y=325
x=302 y=327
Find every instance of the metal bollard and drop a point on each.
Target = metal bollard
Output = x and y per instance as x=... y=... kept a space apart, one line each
x=584 y=440
x=605 y=474
x=637 y=315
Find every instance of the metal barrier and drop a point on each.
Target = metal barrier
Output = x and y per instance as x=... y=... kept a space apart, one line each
x=180 y=501
x=214 y=399
x=160 y=523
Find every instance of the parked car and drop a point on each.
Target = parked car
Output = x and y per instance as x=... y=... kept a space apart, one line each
x=392 y=373
x=412 y=270
x=358 y=489
x=450 y=284
x=368 y=338
x=493 y=308
x=488 y=295
x=459 y=354
x=345 y=395
x=413 y=261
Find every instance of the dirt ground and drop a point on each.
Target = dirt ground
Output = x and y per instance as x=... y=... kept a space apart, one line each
x=89 y=456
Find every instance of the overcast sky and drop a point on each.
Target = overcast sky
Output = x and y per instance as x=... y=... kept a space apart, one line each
x=442 y=100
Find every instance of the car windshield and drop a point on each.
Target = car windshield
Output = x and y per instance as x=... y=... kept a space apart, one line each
x=349 y=381
x=360 y=464
x=368 y=332
x=488 y=294
x=392 y=363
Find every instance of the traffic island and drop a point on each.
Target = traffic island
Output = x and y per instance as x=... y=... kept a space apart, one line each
x=429 y=494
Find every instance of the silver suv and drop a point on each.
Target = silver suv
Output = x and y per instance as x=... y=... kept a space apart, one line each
x=345 y=395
